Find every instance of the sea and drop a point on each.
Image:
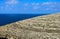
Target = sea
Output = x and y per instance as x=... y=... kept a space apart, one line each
x=10 y=18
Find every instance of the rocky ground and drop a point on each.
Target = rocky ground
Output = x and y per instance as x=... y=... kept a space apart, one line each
x=41 y=27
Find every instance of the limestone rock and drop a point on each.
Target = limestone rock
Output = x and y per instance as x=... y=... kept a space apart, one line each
x=40 y=27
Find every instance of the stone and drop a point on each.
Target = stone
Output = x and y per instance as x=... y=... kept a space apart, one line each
x=40 y=27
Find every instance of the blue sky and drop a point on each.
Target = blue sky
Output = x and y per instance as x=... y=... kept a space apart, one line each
x=29 y=6
x=40 y=0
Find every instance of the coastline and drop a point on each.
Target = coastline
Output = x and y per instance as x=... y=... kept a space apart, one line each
x=40 y=27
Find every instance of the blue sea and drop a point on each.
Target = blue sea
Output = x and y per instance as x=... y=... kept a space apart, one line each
x=10 y=18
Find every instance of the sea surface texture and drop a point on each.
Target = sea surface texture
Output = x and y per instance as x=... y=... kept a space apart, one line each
x=10 y=18
x=40 y=27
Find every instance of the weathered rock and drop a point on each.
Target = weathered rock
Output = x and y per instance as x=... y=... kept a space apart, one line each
x=41 y=27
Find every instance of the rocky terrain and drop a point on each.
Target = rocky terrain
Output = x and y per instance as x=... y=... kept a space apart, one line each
x=40 y=27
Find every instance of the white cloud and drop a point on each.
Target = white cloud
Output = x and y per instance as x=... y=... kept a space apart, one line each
x=45 y=3
x=47 y=9
x=56 y=9
x=35 y=3
x=48 y=3
x=12 y=2
x=52 y=6
x=36 y=7
x=24 y=8
x=26 y=4
x=1 y=7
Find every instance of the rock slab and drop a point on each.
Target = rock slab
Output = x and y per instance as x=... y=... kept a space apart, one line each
x=40 y=27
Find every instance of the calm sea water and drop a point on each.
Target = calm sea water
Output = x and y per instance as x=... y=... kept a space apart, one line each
x=10 y=18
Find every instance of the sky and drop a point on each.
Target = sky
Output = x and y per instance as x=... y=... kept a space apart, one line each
x=29 y=6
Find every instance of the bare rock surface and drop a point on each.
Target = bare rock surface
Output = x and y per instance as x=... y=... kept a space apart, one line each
x=40 y=27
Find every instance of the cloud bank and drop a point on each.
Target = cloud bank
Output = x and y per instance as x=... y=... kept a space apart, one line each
x=11 y=2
